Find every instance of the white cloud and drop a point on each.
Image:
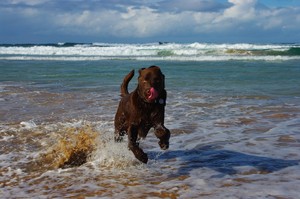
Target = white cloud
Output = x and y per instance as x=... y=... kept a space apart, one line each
x=241 y=10
x=146 y=22
x=135 y=22
x=191 y=5
x=28 y=2
x=245 y=14
x=153 y=19
x=281 y=19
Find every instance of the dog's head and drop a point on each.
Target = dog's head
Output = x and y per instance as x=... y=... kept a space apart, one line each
x=151 y=84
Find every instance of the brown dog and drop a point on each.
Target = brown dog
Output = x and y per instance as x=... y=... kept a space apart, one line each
x=141 y=110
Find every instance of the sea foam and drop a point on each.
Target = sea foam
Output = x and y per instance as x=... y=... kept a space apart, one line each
x=168 y=51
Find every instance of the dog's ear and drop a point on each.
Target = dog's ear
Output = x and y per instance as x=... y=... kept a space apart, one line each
x=163 y=80
x=140 y=71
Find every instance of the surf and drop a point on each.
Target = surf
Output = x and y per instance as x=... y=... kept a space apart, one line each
x=150 y=52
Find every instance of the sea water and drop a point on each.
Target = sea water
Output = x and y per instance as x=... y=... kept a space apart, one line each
x=233 y=111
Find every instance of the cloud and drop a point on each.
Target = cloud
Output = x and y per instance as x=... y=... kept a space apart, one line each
x=243 y=10
x=131 y=22
x=147 y=19
x=240 y=13
x=190 y=5
x=25 y=2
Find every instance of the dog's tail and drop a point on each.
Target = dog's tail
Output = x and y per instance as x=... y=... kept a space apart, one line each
x=124 y=86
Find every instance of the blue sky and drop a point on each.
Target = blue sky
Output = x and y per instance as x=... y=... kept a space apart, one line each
x=142 y=21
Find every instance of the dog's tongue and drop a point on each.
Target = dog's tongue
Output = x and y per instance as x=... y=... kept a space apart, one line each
x=153 y=94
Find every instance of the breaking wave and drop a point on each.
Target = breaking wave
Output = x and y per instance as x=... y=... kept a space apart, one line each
x=150 y=51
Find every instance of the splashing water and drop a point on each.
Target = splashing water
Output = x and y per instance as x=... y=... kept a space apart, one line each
x=234 y=123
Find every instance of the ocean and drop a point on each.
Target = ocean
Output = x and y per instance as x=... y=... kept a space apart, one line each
x=233 y=111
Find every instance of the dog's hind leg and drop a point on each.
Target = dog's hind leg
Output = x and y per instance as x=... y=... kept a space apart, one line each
x=134 y=146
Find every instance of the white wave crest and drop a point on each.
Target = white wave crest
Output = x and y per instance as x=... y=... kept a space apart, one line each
x=151 y=51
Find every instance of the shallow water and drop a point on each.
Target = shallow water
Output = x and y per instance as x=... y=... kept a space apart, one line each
x=235 y=131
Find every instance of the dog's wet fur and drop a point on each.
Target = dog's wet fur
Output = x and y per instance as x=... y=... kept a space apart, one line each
x=141 y=110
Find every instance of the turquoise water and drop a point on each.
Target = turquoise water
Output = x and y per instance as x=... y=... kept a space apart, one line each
x=240 y=77
x=235 y=127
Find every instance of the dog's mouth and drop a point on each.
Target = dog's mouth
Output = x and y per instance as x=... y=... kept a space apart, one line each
x=151 y=94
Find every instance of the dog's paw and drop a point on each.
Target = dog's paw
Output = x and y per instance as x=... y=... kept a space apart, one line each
x=118 y=138
x=140 y=155
x=163 y=145
x=143 y=158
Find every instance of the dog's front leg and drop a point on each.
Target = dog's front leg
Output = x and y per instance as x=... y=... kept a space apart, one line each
x=163 y=134
x=133 y=145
